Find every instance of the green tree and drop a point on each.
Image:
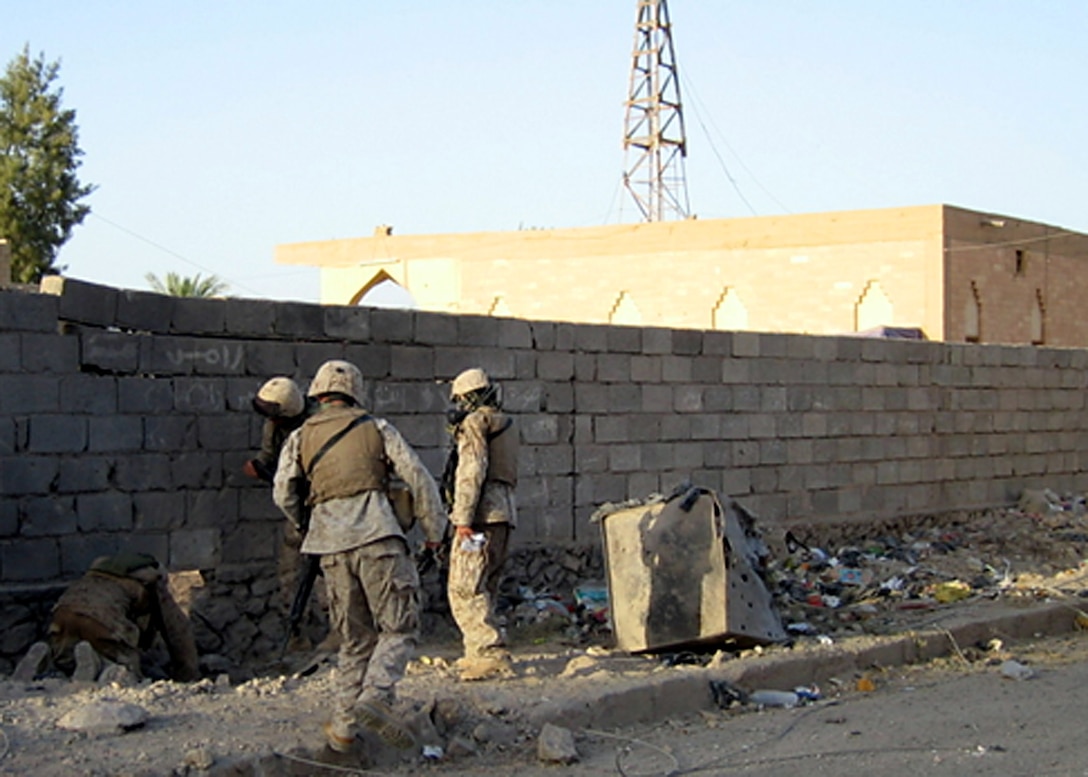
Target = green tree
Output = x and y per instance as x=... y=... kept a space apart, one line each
x=183 y=286
x=39 y=155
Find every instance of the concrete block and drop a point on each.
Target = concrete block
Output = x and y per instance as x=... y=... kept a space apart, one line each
x=250 y=542
x=706 y=426
x=391 y=325
x=268 y=359
x=82 y=302
x=115 y=352
x=21 y=312
x=624 y=458
x=170 y=433
x=590 y=459
x=688 y=399
x=658 y=456
x=746 y=344
x=344 y=322
x=255 y=504
x=30 y=560
x=646 y=369
x=555 y=366
x=423 y=430
x=624 y=339
x=218 y=357
x=23 y=474
x=57 y=434
x=216 y=508
x=28 y=394
x=539 y=429
x=88 y=394
x=105 y=511
x=310 y=356
x=408 y=361
x=480 y=331
x=158 y=511
x=530 y=396
x=52 y=516
x=299 y=320
x=435 y=328
x=200 y=395
x=644 y=427
x=614 y=368
x=564 y=337
x=657 y=341
x=373 y=360
x=687 y=342
x=513 y=333
x=55 y=353
x=585 y=367
x=113 y=433
x=590 y=338
x=157 y=545
x=677 y=427
x=393 y=398
x=552 y=460
x=148 y=396
x=736 y=371
x=676 y=369
x=144 y=311
x=84 y=473
x=624 y=398
x=251 y=318
x=746 y=399
x=544 y=335
x=221 y=432
x=717 y=399
x=199 y=469
x=9 y=518
x=199 y=315
x=7 y=436
x=643 y=483
x=194 y=549
x=10 y=351
x=143 y=472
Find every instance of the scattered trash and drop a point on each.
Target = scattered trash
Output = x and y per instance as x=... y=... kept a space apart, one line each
x=433 y=752
x=1014 y=670
x=951 y=591
x=865 y=685
x=787 y=699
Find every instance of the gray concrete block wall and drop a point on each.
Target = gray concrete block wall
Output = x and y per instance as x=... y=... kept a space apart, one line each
x=125 y=419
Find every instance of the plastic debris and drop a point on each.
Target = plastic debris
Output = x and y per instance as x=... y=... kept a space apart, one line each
x=1014 y=670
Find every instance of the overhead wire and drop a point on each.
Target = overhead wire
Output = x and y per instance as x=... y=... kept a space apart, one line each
x=234 y=283
x=696 y=101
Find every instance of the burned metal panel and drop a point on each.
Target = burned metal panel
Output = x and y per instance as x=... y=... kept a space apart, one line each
x=680 y=573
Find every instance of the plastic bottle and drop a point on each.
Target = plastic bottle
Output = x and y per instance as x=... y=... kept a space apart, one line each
x=787 y=699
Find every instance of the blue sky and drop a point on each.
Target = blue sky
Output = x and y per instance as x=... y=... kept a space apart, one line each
x=215 y=131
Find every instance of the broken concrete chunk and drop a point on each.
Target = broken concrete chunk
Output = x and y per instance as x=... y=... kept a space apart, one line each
x=104 y=717
x=556 y=745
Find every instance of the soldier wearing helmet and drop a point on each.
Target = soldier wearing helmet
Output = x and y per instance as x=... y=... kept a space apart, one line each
x=482 y=475
x=284 y=408
x=339 y=462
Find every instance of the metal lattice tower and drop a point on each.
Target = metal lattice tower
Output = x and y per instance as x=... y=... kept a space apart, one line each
x=654 y=139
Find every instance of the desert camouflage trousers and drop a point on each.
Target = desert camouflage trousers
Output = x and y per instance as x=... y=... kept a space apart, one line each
x=475 y=574
x=373 y=595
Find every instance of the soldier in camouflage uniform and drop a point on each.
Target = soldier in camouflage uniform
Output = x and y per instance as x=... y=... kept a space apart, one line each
x=119 y=606
x=483 y=513
x=281 y=403
x=342 y=458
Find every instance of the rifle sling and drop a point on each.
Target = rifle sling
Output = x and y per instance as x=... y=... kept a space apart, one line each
x=332 y=441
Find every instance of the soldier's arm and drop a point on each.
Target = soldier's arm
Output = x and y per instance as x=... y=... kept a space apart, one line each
x=409 y=468
x=288 y=487
x=471 y=468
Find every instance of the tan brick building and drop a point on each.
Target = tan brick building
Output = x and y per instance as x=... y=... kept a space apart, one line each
x=958 y=275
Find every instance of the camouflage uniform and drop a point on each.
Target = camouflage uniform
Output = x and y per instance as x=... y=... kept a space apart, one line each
x=119 y=606
x=372 y=584
x=485 y=482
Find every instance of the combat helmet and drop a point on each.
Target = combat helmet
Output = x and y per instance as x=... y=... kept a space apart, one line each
x=338 y=377
x=279 y=397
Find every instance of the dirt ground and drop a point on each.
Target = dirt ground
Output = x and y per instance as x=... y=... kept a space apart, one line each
x=897 y=579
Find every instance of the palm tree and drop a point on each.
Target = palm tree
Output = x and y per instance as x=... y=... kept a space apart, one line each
x=184 y=286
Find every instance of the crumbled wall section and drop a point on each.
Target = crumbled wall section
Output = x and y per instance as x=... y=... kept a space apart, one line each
x=125 y=419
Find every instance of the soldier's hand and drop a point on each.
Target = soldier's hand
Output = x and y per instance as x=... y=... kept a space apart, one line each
x=464 y=532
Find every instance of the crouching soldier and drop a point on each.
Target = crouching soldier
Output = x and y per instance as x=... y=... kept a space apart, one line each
x=484 y=470
x=284 y=408
x=118 y=607
x=340 y=462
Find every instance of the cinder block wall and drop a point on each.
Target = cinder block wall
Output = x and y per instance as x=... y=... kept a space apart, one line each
x=125 y=419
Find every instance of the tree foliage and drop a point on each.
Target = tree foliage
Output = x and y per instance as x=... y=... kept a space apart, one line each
x=39 y=155
x=184 y=286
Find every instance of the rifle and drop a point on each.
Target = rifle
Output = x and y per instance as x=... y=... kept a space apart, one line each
x=310 y=569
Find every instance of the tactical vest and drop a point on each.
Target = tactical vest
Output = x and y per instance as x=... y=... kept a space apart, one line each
x=355 y=463
x=502 y=449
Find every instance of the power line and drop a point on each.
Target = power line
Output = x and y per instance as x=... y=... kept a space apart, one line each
x=234 y=283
